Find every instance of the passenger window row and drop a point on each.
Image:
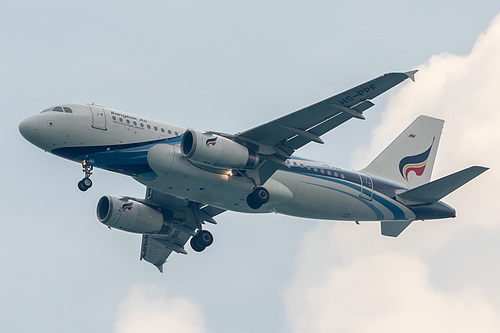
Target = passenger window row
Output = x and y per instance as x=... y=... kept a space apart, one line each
x=155 y=128
x=318 y=170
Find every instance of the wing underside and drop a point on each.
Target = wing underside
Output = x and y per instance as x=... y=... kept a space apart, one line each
x=184 y=218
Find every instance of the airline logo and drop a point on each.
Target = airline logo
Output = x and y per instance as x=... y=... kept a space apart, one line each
x=415 y=163
x=211 y=142
x=127 y=206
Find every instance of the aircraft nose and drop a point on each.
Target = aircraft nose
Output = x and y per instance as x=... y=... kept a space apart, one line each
x=29 y=128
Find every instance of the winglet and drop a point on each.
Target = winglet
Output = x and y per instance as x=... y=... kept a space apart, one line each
x=411 y=74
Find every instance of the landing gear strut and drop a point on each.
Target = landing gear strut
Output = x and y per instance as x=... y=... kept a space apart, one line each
x=257 y=198
x=86 y=183
x=202 y=240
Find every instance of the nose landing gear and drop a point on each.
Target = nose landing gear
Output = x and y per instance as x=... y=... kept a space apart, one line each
x=86 y=183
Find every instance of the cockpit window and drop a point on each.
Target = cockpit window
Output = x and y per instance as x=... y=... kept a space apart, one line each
x=58 y=109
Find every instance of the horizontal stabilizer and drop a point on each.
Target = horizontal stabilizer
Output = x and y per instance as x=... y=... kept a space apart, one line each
x=393 y=228
x=434 y=191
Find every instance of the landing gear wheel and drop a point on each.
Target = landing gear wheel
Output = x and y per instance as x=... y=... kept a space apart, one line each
x=84 y=184
x=202 y=240
x=257 y=198
x=196 y=245
x=206 y=237
x=262 y=195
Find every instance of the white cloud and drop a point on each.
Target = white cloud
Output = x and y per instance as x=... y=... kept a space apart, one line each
x=147 y=309
x=462 y=90
x=367 y=283
x=382 y=292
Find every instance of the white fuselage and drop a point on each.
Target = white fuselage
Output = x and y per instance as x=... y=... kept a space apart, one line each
x=120 y=142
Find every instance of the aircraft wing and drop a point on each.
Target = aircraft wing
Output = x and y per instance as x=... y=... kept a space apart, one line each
x=277 y=140
x=185 y=218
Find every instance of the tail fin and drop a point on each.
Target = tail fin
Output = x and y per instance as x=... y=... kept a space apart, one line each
x=409 y=159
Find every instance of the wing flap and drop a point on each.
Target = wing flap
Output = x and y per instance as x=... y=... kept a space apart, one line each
x=186 y=218
x=154 y=252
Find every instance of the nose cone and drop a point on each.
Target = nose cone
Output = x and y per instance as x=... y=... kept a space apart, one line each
x=29 y=128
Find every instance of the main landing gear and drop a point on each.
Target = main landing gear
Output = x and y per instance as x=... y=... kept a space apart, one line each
x=257 y=198
x=86 y=183
x=202 y=240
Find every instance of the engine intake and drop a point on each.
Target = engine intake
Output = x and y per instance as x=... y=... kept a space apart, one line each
x=210 y=149
x=132 y=216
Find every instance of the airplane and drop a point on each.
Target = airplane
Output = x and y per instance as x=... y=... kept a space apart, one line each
x=191 y=176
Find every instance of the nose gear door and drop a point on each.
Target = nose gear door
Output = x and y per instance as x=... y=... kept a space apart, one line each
x=98 y=117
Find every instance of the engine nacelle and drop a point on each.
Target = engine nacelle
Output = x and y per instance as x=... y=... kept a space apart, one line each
x=132 y=216
x=216 y=151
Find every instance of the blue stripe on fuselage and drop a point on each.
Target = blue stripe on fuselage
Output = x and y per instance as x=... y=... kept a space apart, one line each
x=378 y=213
x=129 y=158
x=351 y=180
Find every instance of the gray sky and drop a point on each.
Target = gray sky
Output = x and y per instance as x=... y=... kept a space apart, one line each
x=227 y=66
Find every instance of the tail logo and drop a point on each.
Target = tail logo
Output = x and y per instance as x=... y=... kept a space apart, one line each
x=127 y=206
x=415 y=163
x=211 y=142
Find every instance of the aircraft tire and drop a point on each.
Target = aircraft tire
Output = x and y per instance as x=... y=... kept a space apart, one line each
x=81 y=186
x=257 y=198
x=252 y=201
x=262 y=195
x=206 y=238
x=196 y=245
x=87 y=182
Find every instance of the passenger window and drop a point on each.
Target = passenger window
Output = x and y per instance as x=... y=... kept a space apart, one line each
x=114 y=118
x=329 y=172
x=163 y=130
x=142 y=125
x=177 y=134
x=322 y=170
x=121 y=120
x=156 y=128
x=57 y=109
x=128 y=121
x=67 y=110
x=169 y=132
x=335 y=174
x=149 y=127
x=135 y=123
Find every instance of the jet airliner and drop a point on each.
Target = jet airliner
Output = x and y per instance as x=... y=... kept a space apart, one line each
x=191 y=176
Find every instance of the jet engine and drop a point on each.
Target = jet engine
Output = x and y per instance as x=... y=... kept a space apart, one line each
x=132 y=216
x=213 y=150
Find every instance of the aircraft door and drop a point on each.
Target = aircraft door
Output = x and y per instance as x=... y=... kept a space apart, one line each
x=98 y=117
x=366 y=187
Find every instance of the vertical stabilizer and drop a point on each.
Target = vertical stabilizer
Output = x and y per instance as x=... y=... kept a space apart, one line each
x=409 y=159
